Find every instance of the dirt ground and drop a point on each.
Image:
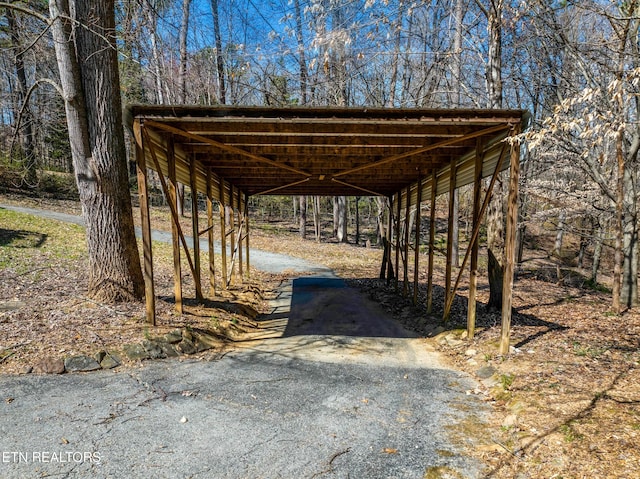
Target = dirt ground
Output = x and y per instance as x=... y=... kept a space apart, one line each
x=566 y=399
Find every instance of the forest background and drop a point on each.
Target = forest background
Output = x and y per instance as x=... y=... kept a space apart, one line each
x=568 y=396
x=573 y=65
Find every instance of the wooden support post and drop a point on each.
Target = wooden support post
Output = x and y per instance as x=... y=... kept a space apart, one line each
x=450 y=231
x=240 y=238
x=432 y=240
x=510 y=244
x=196 y=235
x=172 y=207
x=475 y=242
x=405 y=270
x=416 y=256
x=398 y=211
x=476 y=229
x=173 y=199
x=149 y=291
x=223 y=236
x=212 y=263
x=232 y=233
x=246 y=218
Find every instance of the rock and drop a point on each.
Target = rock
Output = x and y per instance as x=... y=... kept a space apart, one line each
x=454 y=342
x=50 y=366
x=27 y=370
x=80 y=364
x=464 y=334
x=173 y=337
x=186 y=346
x=485 y=372
x=470 y=352
x=135 y=352
x=107 y=360
x=204 y=340
x=153 y=349
x=169 y=350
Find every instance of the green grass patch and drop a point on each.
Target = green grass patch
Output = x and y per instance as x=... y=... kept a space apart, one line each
x=26 y=240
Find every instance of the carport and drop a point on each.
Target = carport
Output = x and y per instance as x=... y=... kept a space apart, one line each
x=409 y=156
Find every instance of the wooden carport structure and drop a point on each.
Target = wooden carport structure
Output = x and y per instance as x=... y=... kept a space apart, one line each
x=407 y=155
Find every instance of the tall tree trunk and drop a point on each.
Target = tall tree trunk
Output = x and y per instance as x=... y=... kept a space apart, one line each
x=184 y=31
x=495 y=214
x=222 y=89
x=557 y=246
x=396 y=54
x=24 y=130
x=155 y=50
x=302 y=61
x=597 y=254
x=357 y=220
x=88 y=64
x=316 y=217
x=303 y=217
x=341 y=211
x=381 y=204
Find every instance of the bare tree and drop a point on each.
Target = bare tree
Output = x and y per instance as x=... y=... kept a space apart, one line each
x=84 y=39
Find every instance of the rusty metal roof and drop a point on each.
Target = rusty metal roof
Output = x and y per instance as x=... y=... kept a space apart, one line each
x=323 y=151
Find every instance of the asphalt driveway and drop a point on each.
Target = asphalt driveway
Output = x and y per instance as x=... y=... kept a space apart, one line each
x=332 y=388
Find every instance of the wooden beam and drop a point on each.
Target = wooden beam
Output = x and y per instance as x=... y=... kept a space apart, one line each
x=273 y=190
x=223 y=146
x=172 y=207
x=510 y=243
x=173 y=199
x=450 y=239
x=240 y=238
x=360 y=188
x=475 y=243
x=223 y=235
x=416 y=249
x=432 y=239
x=196 y=236
x=150 y=297
x=439 y=144
x=232 y=233
x=405 y=270
x=212 y=264
x=246 y=218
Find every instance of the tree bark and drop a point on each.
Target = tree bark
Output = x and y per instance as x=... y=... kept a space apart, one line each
x=303 y=217
x=495 y=214
x=302 y=61
x=88 y=67
x=222 y=89
x=557 y=246
x=184 y=30
x=341 y=213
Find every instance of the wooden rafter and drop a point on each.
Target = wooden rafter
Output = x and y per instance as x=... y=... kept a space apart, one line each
x=222 y=146
x=426 y=149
